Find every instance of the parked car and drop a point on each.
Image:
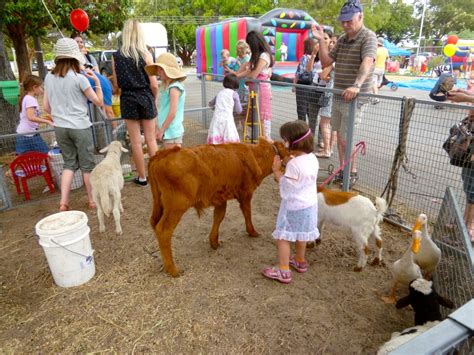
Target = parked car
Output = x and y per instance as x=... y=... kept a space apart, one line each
x=104 y=61
x=49 y=65
x=179 y=61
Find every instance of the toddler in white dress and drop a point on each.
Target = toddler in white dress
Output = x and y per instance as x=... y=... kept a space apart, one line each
x=297 y=219
x=222 y=128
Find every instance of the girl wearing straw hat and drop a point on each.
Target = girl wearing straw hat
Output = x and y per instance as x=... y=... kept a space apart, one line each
x=65 y=97
x=170 y=128
x=138 y=93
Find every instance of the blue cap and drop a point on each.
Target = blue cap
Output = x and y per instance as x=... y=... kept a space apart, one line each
x=349 y=9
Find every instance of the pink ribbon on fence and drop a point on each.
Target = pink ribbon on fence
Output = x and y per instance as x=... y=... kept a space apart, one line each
x=359 y=146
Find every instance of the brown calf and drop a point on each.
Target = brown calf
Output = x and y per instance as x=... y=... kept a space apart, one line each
x=204 y=176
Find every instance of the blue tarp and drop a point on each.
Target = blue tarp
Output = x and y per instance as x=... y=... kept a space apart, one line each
x=393 y=50
x=426 y=84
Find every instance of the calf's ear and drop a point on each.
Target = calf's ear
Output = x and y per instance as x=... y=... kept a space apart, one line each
x=103 y=150
x=124 y=150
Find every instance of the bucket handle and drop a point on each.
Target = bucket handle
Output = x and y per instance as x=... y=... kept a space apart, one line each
x=88 y=257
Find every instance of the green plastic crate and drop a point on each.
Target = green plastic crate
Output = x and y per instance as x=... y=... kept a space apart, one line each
x=10 y=91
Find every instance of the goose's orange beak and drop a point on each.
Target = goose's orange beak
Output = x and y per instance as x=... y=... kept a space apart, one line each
x=417 y=226
x=415 y=246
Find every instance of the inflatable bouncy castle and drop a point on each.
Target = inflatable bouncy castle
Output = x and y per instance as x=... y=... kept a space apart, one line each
x=462 y=52
x=278 y=26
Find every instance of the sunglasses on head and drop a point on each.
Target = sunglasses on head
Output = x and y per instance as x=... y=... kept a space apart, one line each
x=351 y=3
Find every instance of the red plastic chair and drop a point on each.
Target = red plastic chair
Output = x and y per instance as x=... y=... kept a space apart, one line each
x=29 y=165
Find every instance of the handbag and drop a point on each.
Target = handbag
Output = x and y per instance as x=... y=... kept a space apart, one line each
x=459 y=143
x=305 y=78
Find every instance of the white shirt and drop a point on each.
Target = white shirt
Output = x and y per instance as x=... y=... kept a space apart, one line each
x=266 y=57
x=298 y=185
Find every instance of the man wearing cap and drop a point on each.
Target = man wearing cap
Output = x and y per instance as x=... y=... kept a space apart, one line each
x=354 y=55
x=380 y=59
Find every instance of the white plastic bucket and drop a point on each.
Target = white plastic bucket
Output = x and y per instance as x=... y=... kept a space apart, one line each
x=64 y=237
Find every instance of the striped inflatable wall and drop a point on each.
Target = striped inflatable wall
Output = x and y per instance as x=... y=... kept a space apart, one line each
x=212 y=39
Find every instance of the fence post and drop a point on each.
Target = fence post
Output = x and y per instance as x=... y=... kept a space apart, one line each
x=203 y=99
x=349 y=143
x=4 y=193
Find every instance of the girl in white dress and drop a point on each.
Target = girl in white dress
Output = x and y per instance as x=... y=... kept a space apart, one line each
x=222 y=128
x=297 y=219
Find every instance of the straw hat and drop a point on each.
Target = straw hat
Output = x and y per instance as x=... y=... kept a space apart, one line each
x=168 y=63
x=68 y=48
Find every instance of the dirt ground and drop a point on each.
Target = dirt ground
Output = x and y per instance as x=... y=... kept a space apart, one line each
x=220 y=304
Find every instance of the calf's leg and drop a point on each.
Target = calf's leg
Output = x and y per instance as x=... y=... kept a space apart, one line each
x=163 y=232
x=245 y=206
x=219 y=214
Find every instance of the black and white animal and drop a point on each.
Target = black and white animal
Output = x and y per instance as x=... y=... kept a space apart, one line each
x=400 y=338
x=425 y=301
x=107 y=183
x=356 y=213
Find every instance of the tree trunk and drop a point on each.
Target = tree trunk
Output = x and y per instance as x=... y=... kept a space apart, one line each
x=17 y=34
x=39 y=58
x=8 y=113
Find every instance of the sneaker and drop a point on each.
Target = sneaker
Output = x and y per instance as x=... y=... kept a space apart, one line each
x=298 y=266
x=141 y=183
x=277 y=274
x=374 y=101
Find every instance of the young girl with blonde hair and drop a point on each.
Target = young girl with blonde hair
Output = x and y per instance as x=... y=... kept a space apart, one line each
x=170 y=127
x=138 y=93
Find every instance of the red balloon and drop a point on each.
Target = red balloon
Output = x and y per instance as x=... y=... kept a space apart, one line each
x=79 y=20
x=453 y=39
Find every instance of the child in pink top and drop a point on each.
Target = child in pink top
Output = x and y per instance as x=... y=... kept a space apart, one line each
x=30 y=118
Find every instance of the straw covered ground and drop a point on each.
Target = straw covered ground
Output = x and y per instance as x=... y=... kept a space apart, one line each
x=220 y=304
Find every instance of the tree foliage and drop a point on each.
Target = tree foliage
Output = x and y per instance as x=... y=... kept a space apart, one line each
x=27 y=18
x=443 y=17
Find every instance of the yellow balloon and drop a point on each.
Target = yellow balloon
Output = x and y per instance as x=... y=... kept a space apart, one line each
x=449 y=50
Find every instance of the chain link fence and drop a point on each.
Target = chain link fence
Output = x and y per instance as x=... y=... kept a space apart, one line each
x=403 y=159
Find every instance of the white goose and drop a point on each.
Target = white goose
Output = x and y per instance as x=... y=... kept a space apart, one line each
x=429 y=255
x=405 y=270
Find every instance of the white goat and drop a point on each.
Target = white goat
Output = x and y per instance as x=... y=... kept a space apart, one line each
x=357 y=213
x=400 y=338
x=107 y=182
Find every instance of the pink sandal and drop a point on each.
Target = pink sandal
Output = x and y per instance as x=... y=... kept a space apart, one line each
x=301 y=267
x=277 y=274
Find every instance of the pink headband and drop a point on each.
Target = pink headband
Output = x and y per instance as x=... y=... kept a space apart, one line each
x=302 y=137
